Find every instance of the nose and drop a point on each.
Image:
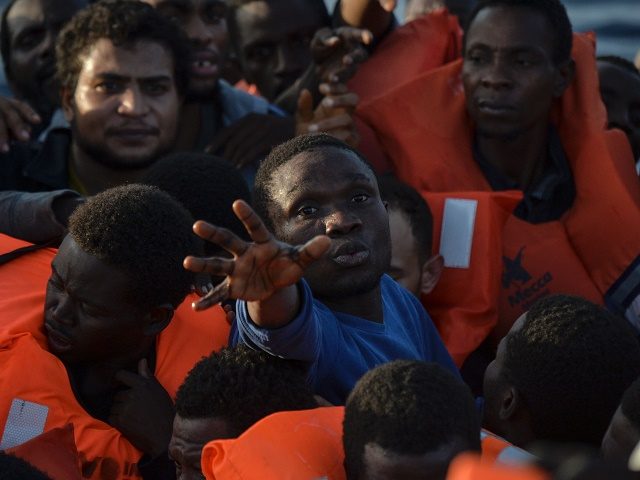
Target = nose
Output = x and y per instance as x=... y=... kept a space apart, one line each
x=496 y=76
x=133 y=103
x=199 y=31
x=341 y=222
x=62 y=313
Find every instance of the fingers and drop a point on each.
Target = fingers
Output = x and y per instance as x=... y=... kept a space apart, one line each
x=388 y=5
x=313 y=250
x=230 y=315
x=347 y=100
x=214 y=266
x=220 y=236
x=143 y=368
x=251 y=221
x=304 y=112
x=219 y=294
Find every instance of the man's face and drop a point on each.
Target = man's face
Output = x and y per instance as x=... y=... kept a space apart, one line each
x=329 y=191
x=33 y=26
x=204 y=23
x=495 y=382
x=620 y=439
x=89 y=316
x=189 y=437
x=510 y=79
x=620 y=91
x=405 y=259
x=273 y=42
x=381 y=464
x=124 y=110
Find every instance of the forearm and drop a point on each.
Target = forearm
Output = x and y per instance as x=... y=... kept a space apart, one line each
x=276 y=311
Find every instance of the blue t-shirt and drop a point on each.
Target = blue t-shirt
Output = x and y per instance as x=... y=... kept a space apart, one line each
x=340 y=348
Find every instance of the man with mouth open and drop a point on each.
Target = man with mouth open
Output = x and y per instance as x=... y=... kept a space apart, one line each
x=123 y=70
x=325 y=222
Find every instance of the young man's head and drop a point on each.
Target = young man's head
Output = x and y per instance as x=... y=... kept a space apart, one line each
x=411 y=225
x=206 y=185
x=408 y=419
x=620 y=91
x=623 y=433
x=122 y=69
x=560 y=372
x=271 y=39
x=28 y=32
x=118 y=275
x=204 y=23
x=227 y=392
x=317 y=185
x=517 y=60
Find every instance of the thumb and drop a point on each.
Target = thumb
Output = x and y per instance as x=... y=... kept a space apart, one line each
x=143 y=368
x=305 y=106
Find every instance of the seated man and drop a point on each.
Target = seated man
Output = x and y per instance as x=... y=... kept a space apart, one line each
x=511 y=116
x=408 y=420
x=560 y=373
x=227 y=392
x=122 y=83
x=623 y=433
x=105 y=354
x=320 y=200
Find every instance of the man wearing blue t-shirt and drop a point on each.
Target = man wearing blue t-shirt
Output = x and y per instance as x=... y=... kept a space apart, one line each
x=320 y=199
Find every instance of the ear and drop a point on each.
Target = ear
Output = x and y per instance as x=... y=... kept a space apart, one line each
x=564 y=76
x=431 y=271
x=510 y=404
x=67 y=103
x=158 y=319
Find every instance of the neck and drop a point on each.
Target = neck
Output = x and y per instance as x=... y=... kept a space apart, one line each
x=366 y=305
x=189 y=126
x=96 y=177
x=522 y=157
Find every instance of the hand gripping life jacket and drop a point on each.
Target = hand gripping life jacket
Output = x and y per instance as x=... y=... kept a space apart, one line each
x=300 y=445
x=34 y=381
x=592 y=251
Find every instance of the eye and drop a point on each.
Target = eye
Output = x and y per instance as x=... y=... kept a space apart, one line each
x=109 y=87
x=360 y=198
x=477 y=58
x=156 y=89
x=306 y=211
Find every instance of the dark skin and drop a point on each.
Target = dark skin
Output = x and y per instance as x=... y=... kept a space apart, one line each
x=337 y=235
x=105 y=346
x=510 y=81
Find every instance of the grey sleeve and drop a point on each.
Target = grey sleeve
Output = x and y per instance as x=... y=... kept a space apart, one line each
x=31 y=216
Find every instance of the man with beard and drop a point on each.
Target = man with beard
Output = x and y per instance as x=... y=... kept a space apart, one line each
x=320 y=200
x=123 y=71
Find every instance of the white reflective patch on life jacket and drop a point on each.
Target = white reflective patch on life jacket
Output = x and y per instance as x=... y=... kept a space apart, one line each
x=456 y=237
x=25 y=421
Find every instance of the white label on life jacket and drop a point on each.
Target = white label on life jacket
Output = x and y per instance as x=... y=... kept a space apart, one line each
x=456 y=238
x=25 y=421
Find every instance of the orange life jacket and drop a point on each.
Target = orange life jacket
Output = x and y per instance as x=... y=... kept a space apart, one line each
x=592 y=251
x=469 y=466
x=28 y=372
x=300 y=445
x=496 y=450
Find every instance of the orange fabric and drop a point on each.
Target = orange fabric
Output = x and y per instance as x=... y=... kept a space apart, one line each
x=61 y=461
x=106 y=454
x=302 y=445
x=430 y=145
x=468 y=466
x=492 y=446
x=477 y=314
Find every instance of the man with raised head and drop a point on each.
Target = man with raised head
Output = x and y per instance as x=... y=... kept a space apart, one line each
x=123 y=71
x=560 y=373
x=521 y=111
x=324 y=221
x=103 y=349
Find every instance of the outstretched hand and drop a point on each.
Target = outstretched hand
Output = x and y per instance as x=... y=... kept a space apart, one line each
x=258 y=269
x=338 y=52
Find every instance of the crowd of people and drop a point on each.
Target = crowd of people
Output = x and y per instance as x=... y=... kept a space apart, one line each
x=258 y=239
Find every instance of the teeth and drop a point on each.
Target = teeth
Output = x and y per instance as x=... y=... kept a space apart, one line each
x=202 y=63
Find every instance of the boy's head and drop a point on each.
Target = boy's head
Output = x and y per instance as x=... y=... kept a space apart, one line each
x=517 y=61
x=227 y=392
x=560 y=372
x=118 y=275
x=411 y=226
x=623 y=433
x=408 y=419
x=317 y=185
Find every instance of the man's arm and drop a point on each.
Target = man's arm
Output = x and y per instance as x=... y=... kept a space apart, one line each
x=264 y=272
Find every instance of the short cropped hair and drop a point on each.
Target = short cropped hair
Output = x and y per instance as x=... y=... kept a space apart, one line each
x=409 y=408
x=206 y=185
x=407 y=200
x=124 y=23
x=571 y=362
x=241 y=386
x=553 y=10
x=280 y=155
x=143 y=232
x=620 y=62
x=14 y=468
x=630 y=404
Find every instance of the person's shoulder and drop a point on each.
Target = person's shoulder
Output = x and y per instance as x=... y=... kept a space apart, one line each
x=236 y=103
x=399 y=297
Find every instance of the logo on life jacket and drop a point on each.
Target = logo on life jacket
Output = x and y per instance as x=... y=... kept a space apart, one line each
x=527 y=291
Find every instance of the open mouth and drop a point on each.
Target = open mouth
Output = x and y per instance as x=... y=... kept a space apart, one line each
x=494 y=108
x=204 y=64
x=57 y=341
